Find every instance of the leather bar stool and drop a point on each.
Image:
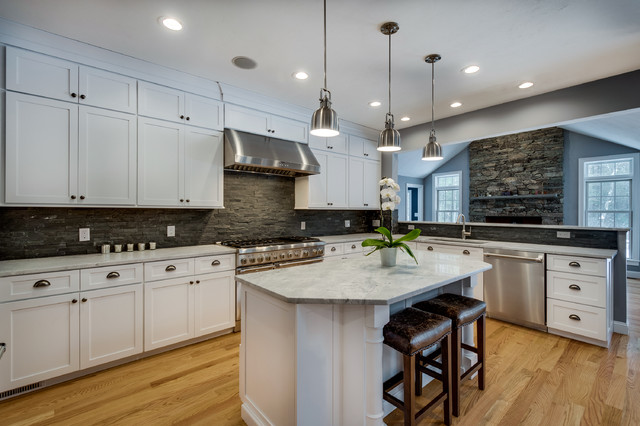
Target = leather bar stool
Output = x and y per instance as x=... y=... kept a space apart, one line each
x=410 y=332
x=462 y=311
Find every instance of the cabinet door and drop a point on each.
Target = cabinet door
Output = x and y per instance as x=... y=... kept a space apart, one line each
x=160 y=163
x=318 y=183
x=41 y=150
x=160 y=102
x=215 y=302
x=168 y=312
x=107 y=157
x=110 y=324
x=41 y=75
x=337 y=180
x=246 y=119
x=316 y=142
x=338 y=144
x=371 y=187
x=41 y=337
x=203 y=168
x=356 y=182
x=288 y=129
x=107 y=90
x=364 y=148
x=203 y=112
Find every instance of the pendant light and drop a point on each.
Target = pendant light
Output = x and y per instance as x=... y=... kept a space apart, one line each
x=324 y=122
x=389 y=139
x=432 y=151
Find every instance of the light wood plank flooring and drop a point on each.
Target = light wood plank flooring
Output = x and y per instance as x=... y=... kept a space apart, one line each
x=533 y=378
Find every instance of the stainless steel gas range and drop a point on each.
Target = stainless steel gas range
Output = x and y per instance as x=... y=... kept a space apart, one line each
x=265 y=254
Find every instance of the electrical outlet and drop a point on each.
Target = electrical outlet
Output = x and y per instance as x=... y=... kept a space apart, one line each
x=563 y=234
x=411 y=227
x=303 y=225
x=375 y=222
x=347 y=223
x=171 y=231
x=84 y=234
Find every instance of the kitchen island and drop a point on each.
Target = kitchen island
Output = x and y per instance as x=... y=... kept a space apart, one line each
x=312 y=346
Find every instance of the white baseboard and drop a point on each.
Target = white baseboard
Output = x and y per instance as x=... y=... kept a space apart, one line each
x=620 y=327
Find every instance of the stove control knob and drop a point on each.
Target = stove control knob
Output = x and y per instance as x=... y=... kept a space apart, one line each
x=320 y=250
x=283 y=256
x=305 y=253
x=252 y=260
x=297 y=253
x=274 y=257
x=260 y=259
x=290 y=254
x=243 y=261
x=314 y=251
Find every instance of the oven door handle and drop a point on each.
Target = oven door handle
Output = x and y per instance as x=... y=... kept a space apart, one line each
x=254 y=269
x=297 y=263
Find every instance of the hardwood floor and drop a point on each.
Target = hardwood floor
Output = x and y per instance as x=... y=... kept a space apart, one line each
x=533 y=378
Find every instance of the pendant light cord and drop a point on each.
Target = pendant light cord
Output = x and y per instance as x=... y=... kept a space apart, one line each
x=389 y=73
x=432 y=96
x=325 y=44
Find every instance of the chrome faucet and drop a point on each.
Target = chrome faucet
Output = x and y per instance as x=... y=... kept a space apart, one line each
x=465 y=234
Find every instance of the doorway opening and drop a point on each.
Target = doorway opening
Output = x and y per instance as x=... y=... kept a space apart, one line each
x=415 y=203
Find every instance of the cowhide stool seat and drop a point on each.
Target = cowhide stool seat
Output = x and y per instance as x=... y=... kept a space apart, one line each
x=410 y=332
x=462 y=311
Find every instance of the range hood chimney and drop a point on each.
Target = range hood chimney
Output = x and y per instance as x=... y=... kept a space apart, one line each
x=248 y=152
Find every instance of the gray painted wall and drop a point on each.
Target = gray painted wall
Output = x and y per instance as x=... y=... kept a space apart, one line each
x=459 y=162
x=577 y=146
x=403 y=181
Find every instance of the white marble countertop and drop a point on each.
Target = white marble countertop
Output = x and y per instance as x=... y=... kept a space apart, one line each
x=363 y=280
x=542 y=248
x=83 y=261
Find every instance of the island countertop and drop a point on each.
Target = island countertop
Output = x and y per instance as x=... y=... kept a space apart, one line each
x=363 y=281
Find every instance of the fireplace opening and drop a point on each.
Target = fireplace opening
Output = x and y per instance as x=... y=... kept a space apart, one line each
x=525 y=220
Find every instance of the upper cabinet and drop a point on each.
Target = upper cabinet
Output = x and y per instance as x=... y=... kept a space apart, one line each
x=365 y=148
x=174 y=105
x=339 y=144
x=50 y=77
x=262 y=123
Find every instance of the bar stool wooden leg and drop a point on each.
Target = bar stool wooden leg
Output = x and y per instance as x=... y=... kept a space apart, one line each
x=418 y=376
x=456 y=353
x=446 y=377
x=409 y=390
x=482 y=340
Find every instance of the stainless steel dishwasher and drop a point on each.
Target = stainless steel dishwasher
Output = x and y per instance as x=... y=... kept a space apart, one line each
x=514 y=289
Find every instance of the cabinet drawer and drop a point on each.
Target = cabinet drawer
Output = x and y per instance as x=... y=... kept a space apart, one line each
x=352 y=247
x=333 y=249
x=110 y=276
x=578 y=319
x=577 y=288
x=165 y=269
x=37 y=285
x=473 y=252
x=577 y=265
x=207 y=264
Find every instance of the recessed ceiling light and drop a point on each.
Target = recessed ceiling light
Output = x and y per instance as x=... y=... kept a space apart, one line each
x=244 y=62
x=471 y=69
x=171 y=23
x=405 y=118
x=526 y=85
x=300 y=75
x=375 y=104
x=455 y=105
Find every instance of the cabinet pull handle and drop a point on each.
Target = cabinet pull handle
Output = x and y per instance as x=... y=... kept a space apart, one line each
x=430 y=248
x=113 y=274
x=182 y=117
x=73 y=95
x=188 y=118
x=82 y=197
x=333 y=249
x=170 y=268
x=190 y=282
x=574 y=264
x=574 y=317
x=182 y=200
x=197 y=281
x=329 y=147
x=73 y=197
x=366 y=155
x=353 y=246
x=74 y=301
x=366 y=205
x=575 y=287
x=215 y=262
x=3 y=349
x=42 y=283
x=84 y=299
x=83 y=97
x=466 y=252
x=188 y=200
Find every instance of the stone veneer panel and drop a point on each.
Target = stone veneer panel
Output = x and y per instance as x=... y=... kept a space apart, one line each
x=524 y=164
x=256 y=206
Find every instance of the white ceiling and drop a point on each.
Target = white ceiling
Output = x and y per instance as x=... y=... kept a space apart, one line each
x=554 y=43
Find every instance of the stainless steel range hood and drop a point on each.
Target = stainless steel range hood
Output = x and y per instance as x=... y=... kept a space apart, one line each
x=248 y=152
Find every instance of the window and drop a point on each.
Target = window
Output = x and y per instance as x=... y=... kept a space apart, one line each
x=446 y=196
x=607 y=192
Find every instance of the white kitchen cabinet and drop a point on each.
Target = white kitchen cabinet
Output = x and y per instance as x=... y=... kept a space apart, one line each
x=174 y=105
x=364 y=176
x=74 y=156
x=41 y=338
x=179 y=165
x=364 y=148
x=327 y=190
x=215 y=302
x=50 y=77
x=338 y=144
x=111 y=324
x=262 y=123
x=168 y=313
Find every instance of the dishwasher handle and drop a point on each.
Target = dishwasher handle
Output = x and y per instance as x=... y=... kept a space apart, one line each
x=538 y=259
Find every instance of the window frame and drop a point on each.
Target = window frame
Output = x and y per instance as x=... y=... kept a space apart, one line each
x=635 y=193
x=434 y=190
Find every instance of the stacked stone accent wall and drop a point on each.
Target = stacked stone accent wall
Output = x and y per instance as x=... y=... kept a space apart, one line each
x=526 y=163
x=256 y=206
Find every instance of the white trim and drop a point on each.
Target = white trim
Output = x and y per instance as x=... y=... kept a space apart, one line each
x=620 y=327
x=420 y=188
x=434 y=192
x=635 y=194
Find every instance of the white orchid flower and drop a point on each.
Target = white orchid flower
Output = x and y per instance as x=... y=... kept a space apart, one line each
x=395 y=186
x=388 y=205
x=383 y=182
x=388 y=193
x=397 y=199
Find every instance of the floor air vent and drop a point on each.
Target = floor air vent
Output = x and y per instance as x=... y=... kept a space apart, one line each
x=17 y=391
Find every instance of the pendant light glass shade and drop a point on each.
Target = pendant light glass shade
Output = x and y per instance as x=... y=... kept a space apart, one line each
x=389 y=139
x=324 y=122
x=432 y=150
